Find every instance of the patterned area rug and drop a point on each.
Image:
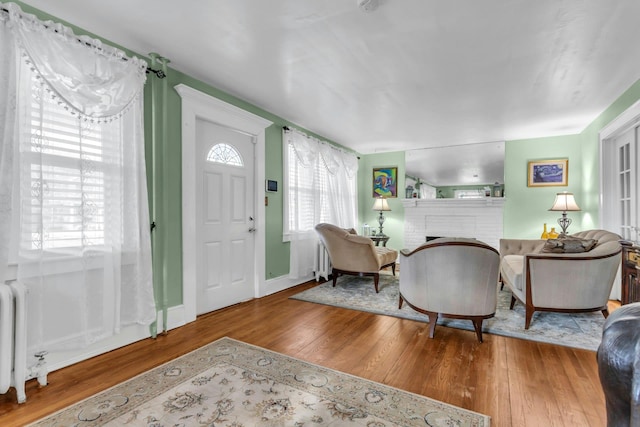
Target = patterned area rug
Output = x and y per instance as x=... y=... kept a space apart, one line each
x=232 y=384
x=581 y=330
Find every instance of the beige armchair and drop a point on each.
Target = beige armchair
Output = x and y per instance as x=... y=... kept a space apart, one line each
x=561 y=282
x=451 y=277
x=355 y=255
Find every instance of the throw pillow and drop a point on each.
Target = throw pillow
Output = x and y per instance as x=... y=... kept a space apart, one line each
x=569 y=245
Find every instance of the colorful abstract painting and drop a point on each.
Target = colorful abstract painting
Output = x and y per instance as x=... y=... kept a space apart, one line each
x=385 y=182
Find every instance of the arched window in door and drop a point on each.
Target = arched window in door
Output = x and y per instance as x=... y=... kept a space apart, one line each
x=225 y=154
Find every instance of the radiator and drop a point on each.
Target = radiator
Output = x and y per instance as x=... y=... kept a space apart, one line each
x=322 y=263
x=13 y=339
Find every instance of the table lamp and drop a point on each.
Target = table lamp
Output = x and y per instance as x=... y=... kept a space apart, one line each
x=381 y=205
x=564 y=202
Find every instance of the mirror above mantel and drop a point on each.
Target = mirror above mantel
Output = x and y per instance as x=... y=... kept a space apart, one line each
x=457 y=165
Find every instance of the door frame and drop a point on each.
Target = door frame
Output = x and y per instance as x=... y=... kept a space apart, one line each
x=199 y=105
x=627 y=119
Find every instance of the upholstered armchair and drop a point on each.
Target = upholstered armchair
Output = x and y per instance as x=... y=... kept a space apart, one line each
x=562 y=282
x=451 y=277
x=355 y=255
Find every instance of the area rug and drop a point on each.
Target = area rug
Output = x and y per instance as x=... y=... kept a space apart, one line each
x=579 y=330
x=233 y=384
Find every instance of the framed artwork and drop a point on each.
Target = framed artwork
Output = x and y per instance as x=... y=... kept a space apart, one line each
x=385 y=182
x=548 y=173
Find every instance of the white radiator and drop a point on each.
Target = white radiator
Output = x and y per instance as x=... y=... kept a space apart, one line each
x=322 y=263
x=13 y=339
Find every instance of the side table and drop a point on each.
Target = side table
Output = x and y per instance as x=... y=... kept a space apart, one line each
x=377 y=239
x=630 y=267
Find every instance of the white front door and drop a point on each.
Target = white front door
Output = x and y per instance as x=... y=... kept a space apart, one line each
x=224 y=216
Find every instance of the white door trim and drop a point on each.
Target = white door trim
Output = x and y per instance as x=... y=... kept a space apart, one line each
x=196 y=104
x=628 y=118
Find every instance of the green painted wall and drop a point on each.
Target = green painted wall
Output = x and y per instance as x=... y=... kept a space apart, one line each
x=394 y=222
x=526 y=209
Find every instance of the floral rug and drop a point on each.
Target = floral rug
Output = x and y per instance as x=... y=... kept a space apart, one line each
x=232 y=384
x=579 y=330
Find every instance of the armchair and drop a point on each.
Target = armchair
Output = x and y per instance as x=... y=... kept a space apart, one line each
x=561 y=282
x=355 y=255
x=451 y=277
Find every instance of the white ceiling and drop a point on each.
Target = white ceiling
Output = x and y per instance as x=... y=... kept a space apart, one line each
x=410 y=74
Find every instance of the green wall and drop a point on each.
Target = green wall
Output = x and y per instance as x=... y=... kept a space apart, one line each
x=526 y=208
x=394 y=220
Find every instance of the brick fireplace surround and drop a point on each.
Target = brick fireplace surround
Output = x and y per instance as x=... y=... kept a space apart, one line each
x=481 y=219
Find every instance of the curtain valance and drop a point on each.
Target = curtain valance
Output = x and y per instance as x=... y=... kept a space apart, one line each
x=95 y=81
x=307 y=150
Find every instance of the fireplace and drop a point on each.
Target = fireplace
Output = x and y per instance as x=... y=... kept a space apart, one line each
x=480 y=219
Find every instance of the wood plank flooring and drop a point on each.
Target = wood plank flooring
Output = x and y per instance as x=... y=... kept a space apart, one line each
x=516 y=382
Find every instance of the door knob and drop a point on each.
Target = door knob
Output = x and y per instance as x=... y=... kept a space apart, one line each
x=251 y=230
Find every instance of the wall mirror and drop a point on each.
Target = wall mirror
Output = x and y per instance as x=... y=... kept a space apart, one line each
x=457 y=165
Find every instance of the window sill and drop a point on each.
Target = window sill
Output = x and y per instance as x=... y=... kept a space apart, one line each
x=64 y=264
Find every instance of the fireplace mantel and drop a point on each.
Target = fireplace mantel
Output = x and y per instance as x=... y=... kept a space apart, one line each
x=471 y=203
x=481 y=219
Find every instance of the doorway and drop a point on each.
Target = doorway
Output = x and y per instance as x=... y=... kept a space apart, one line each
x=199 y=109
x=224 y=217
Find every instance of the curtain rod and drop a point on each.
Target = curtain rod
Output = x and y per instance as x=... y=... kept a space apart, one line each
x=159 y=73
x=288 y=129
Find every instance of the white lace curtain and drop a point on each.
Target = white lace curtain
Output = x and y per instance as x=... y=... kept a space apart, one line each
x=321 y=187
x=73 y=179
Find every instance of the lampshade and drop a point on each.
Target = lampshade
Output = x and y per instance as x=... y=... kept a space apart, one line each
x=381 y=205
x=565 y=202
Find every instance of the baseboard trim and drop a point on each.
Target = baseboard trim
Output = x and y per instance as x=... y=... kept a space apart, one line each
x=281 y=283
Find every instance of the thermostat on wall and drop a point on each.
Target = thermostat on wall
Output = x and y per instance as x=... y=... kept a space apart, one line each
x=272 y=185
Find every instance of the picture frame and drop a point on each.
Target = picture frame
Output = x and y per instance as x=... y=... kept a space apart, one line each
x=385 y=182
x=548 y=173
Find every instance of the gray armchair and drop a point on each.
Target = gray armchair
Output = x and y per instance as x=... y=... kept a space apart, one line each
x=561 y=282
x=451 y=277
x=355 y=255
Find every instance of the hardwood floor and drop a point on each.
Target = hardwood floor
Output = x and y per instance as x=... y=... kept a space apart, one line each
x=516 y=382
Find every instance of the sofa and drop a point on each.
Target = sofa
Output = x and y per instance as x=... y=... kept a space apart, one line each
x=352 y=254
x=543 y=277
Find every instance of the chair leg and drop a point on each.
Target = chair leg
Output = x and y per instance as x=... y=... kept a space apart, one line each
x=513 y=302
x=528 y=315
x=605 y=313
x=393 y=268
x=400 y=302
x=433 y=319
x=501 y=281
x=376 y=279
x=335 y=279
x=477 y=325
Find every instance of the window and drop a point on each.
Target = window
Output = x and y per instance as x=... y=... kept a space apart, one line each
x=320 y=185
x=63 y=163
x=225 y=154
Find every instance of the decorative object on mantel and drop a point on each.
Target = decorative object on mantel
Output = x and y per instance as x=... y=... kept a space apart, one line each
x=385 y=182
x=548 y=173
x=382 y=206
x=408 y=192
x=564 y=203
